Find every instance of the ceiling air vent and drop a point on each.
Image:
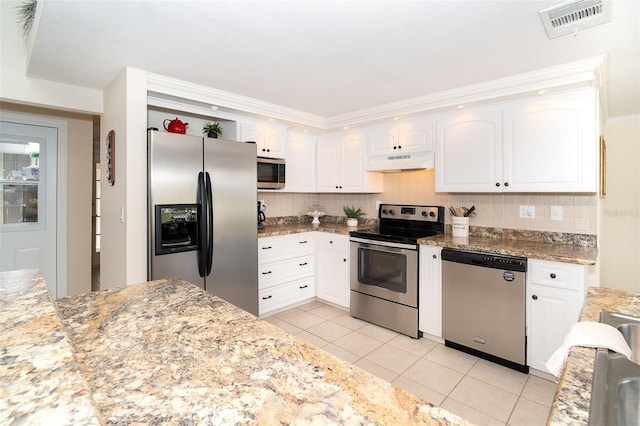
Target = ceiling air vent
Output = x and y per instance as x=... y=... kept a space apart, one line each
x=572 y=16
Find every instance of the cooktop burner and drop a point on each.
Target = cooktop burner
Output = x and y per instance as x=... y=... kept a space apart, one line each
x=405 y=223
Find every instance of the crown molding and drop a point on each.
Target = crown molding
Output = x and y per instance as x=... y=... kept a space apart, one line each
x=162 y=85
x=587 y=72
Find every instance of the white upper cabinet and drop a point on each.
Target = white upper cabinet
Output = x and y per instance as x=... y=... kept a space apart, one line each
x=396 y=138
x=341 y=164
x=270 y=140
x=551 y=145
x=541 y=145
x=300 y=171
x=469 y=152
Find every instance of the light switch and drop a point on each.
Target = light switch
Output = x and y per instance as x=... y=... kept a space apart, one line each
x=556 y=213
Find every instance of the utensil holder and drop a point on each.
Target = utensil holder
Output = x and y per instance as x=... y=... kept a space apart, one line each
x=460 y=226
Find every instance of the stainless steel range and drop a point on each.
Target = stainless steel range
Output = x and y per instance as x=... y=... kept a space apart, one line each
x=384 y=266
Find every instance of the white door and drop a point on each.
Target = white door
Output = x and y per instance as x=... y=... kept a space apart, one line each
x=28 y=198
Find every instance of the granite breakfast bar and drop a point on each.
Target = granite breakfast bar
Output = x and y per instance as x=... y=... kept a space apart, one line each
x=167 y=352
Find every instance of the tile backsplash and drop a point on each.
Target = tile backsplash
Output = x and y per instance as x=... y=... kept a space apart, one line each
x=579 y=211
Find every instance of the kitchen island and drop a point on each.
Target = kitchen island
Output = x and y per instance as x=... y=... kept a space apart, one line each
x=167 y=352
x=572 y=400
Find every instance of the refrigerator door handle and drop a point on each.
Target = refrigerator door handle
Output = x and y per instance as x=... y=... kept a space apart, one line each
x=202 y=201
x=209 y=224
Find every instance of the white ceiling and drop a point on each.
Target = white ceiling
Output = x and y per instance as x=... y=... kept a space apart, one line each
x=326 y=57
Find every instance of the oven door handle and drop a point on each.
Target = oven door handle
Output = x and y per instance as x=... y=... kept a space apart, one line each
x=384 y=244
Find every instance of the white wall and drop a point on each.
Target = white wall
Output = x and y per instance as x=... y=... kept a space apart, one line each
x=17 y=87
x=123 y=247
x=620 y=256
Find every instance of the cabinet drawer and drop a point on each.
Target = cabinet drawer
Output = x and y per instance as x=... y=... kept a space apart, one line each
x=287 y=270
x=555 y=274
x=284 y=295
x=332 y=241
x=272 y=248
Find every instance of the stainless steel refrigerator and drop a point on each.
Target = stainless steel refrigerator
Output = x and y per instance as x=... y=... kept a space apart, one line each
x=202 y=214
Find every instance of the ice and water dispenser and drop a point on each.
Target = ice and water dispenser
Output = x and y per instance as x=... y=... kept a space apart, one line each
x=176 y=228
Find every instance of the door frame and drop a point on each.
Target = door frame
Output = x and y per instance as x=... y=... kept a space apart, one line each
x=61 y=187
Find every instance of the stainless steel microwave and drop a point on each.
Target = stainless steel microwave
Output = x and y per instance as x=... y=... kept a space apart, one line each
x=271 y=173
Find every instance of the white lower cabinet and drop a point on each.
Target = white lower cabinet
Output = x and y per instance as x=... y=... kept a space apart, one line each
x=286 y=266
x=332 y=269
x=430 y=291
x=555 y=293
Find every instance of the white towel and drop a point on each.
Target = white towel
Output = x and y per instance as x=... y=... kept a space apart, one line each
x=590 y=335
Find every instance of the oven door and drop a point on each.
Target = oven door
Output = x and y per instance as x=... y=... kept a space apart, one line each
x=386 y=270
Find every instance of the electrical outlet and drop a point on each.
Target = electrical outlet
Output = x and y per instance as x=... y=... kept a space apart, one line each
x=556 y=213
x=527 y=212
x=378 y=202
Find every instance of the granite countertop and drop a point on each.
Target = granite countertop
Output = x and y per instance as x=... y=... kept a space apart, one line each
x=168 y=352
x=532 y=249
x=296 y=228
x=567 y=253
x=40 y=381
x=573 y=395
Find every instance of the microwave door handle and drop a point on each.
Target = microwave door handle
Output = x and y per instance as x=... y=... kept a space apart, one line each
x=202 y=225
x=209 y=224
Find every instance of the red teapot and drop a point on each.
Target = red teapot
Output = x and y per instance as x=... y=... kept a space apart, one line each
x=175 y=126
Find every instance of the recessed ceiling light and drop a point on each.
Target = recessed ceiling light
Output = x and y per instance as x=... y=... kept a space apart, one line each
x=272 y=120
x=395 y=118
x=214 y=107
x=542 y=92
x=460 y=106
x=305 y=130
x=346 y=127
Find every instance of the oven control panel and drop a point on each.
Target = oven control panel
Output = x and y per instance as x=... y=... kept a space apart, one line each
x=407 y=212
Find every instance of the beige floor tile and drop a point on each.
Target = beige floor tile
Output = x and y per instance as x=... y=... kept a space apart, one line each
x=376 y=370
x=350 y=322
x=341 y=353
x=487 y=399
x=451 y=358
x=288 y=313
x=497 y=375
x=429 y=395
x=392 y=358
x=304 y=320
x=433 y=375
x=358 y=343
x=378 y=333
x=272 y=319
x=311 y=305
x=470 y=414
x=539 y=390
x=289 y=328
x=329 y=331
x=529 y=413
x=327 y=312
x=312 y=338
x=415 y=346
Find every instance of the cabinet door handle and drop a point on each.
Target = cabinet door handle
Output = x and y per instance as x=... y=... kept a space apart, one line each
x=553 y=276
x=534 y=297
x=395 y=147
x=506 y=184
x=266 y=273
x=266 y=248
x=267 y=297
x=302 y=242
x=344 y=260
x=399 y=146
x=497 y=183
x=330 y=241
x=304 y=286
x=304 y=264
x=435 y=257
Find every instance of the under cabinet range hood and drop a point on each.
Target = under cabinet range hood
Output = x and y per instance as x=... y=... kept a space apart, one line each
x=397 y=162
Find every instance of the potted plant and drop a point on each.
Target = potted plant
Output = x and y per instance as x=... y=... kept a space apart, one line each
x=352 y=214
x=212 y=129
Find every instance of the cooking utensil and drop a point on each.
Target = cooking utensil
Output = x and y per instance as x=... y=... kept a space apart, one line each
x=470 y=211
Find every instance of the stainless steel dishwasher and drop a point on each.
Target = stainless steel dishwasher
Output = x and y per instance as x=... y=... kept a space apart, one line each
x=483 y=306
